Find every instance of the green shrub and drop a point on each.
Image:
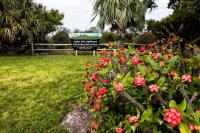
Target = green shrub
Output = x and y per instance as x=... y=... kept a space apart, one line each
x=153 y=89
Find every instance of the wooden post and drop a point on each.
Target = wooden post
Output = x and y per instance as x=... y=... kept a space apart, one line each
x=94 y=52
x=76 y=52
x=32 y=48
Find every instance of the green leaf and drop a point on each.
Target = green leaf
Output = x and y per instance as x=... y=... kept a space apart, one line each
x=153 y=63
x=134 y=127
x=190 y=110
x=104 y=70
x=147 y=115
x=172 y=60
x=172 y=104
x=161 y=81
x=183 y=128
x=197 y=116
x=138 y=113
x=104 y=109
x=127 y=80
x=152 y=76
x=196 y=81
x=143 y=70
x=182 y=106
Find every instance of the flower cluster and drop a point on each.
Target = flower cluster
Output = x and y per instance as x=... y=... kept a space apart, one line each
x=94 y=124
x=103 y=62
x=119 y=130
x=193 y=127
x=119 y=87
x=139 y=81
x=135 y=60
x=156 y=55
x=173 y=117
x=186 y=78
x=133 y=119
x=153 y=88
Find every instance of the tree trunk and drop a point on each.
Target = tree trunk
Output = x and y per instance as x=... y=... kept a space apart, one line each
x=121 y=36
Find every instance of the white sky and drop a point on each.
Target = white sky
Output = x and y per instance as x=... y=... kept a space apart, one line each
x=78 y=13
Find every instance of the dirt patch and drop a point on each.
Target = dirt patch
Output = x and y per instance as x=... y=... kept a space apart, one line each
x=77 y=121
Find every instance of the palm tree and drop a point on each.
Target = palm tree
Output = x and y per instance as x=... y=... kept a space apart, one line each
x=22 y=21
x=122 y=14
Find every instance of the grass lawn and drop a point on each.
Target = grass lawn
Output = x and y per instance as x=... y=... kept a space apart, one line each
x=34 y=90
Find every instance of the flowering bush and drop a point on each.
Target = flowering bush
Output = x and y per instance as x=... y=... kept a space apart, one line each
x=152 y=89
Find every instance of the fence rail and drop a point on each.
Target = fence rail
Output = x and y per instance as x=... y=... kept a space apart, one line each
x=44 y=47
x=33 y=49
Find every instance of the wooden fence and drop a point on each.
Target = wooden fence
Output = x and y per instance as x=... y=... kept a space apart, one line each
x=53 y=47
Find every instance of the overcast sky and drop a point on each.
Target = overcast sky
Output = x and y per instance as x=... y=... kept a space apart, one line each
x=78 y=13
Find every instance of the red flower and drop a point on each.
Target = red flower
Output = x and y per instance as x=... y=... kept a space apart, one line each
x=172 y=73
x=133 y=119
x=142 y=63
x=187 y=78
x=193 y=127
x=97 y=106
x=156 y=55
x=123 y=60
x=119 y=54
x=119 y=130
x=152 y=44
x=103 y=51
x=142 y=49
x=85 y=74
x=105 y=81
x=92 y=91
x=135 y=60
x=89 y=85
x=119 y=87
x=139 y=81
x=98 y=99
x=94 y=124
x=164 y=48
x=88 y=65
x=153 y=88
x=170 y=55
x=198 y=110
x=173 y=117
x=94 y=76
x=104 y=62
x=138 y=52
x=102 y=91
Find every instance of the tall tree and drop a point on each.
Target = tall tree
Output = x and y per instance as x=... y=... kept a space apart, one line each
x=22 y=21
x=122 y=14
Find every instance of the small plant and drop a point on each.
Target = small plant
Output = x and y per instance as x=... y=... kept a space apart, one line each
x=151 y=89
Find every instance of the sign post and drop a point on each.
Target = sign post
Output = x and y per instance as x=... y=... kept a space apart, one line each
x=85 y=41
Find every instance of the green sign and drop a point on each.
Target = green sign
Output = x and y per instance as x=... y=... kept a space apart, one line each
x=85 y=41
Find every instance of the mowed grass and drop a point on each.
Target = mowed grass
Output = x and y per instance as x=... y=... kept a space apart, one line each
x=34 y=91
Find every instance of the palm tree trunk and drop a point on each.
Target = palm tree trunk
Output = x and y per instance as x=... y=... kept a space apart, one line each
x=121 y=36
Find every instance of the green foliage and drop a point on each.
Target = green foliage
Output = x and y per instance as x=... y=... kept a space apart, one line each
x=61 y=37
x=108 y=36
x=146 y=38
x=184 y=21
x=22 y=21
x=122 y=15
x=36 y=91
